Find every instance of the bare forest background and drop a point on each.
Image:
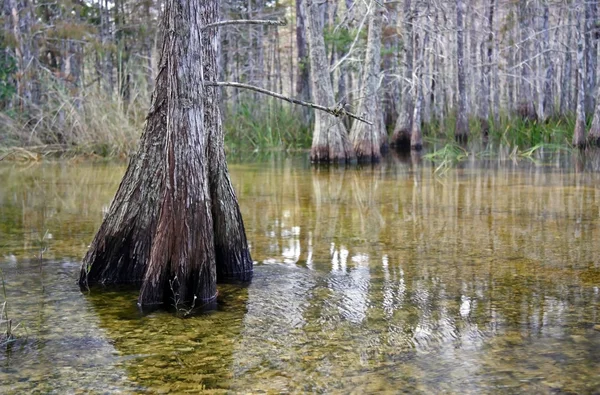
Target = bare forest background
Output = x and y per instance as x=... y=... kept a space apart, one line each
x=78 y=75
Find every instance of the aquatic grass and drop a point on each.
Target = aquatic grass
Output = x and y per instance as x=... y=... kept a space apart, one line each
x=277 y=126
x=7 y=331
x=447 y=156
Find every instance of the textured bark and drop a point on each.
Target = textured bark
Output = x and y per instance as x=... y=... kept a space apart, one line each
x=579 y=132
x=174 y=220
x=526 y=104
x=369 y=139
x=303 y=78
x=593 y=137
x=19 y=20
x=565 y=95
x=591 y=54
x=330 y=138
x=487 y=55
x=461 y=132
x=390 y=65
x=416 y=137
x=403 y=127
x=548 y=99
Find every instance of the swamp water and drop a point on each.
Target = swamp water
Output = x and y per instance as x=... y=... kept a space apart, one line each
x=393 y=278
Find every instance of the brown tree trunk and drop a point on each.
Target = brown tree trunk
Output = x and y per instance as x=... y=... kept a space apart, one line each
x=416 y=136
x=593 y=137
x=461 y=133
x=174 y=222
x=368 y=140
x=330 y=138
x=526 y=106
x=403 y=127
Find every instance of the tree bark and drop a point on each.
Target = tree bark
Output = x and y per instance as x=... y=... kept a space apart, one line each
x=416 y=137
x=579 y=132
x=303 y=77
x=548 y=98
x=591 y=54
x=330 y=138
x=403 y=127
x=461 y=132
x=174 y=222
x=526 y=106
x=593 y=137
x=368 y=140
x=487 y=56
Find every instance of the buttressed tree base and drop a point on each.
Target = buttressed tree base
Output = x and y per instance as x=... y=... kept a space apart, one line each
x=174 y=226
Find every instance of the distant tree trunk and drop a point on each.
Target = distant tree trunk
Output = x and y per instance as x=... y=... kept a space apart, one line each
x=593 y=137
x=416 y=137
x=174 y=222
x=368 y=140
x=548 y=96
x=403 y=128
x=303 y=77
x=579 y=133
x=487 y=56
x=461 y=133
x=526 y=105
x=330 y=138
x=20 y=15
x=591 y=54
x=565 y=94
x=390 y=66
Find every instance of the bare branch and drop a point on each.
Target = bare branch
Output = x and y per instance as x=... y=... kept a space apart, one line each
x=247 y=22
x=338 y=111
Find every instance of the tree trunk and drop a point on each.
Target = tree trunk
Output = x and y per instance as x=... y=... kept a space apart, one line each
x=487 y=57
x=461 y=133
x=526 y=106
x=416 y=137
x=579 y=133
x=303 y=77
x=548 y=99
x=390 y=66
x=369 y=139
x=593 y=137
x=403 y=128
x=174 y=222
x=330 y=138
x=591 y=55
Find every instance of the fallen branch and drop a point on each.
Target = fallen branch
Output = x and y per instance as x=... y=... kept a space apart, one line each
x=246 y=22
x=338 y=111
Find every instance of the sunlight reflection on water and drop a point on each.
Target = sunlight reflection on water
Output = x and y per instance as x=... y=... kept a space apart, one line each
x=483 y=279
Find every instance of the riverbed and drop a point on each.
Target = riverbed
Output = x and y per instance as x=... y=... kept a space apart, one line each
x=483 y=277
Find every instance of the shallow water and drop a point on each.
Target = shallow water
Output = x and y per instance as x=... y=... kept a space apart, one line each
x=393 y=278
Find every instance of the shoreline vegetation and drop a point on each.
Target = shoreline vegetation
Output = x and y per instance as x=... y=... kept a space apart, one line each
x=76 y=79
x=98 y=127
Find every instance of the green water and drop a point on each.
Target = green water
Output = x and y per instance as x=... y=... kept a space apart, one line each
x=485 y=279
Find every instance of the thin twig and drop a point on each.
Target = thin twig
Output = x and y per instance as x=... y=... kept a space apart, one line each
x=335 y=111
x=247 y=22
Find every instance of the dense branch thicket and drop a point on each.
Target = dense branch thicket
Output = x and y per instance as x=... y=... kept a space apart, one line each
x=68 y=68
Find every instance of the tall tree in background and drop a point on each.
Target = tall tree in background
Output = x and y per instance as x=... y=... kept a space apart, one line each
x=403 y=127
x=526 y=106
x=175 y=220
x=369 y=139
x=461 y=131
x=303 y=76
x=579 y=132
x=330 y=138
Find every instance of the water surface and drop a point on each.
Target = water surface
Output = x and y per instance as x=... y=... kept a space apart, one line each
x=391 y=278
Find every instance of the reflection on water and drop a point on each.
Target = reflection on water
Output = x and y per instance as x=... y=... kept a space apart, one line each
x=485 y=279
